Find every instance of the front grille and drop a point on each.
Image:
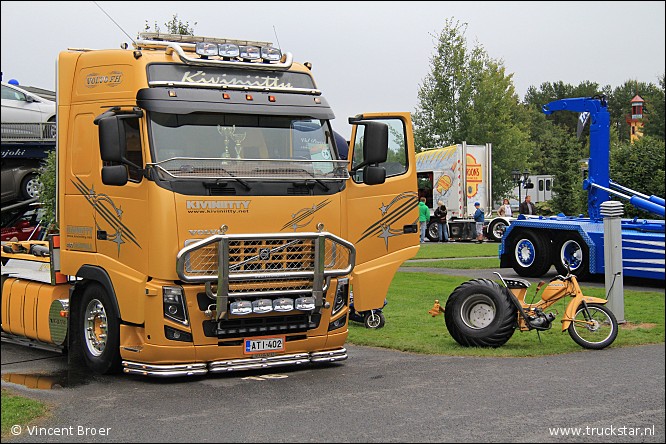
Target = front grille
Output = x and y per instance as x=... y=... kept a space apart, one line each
x=282 y=257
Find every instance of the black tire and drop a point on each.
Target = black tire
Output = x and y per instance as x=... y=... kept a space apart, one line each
x=432 y=232
x=530 y=253
x=496 y=229
x=479 y=313
x=98 y=317
x=601 y=334
x=374 y=319
x=30 y=186
x=570 y=246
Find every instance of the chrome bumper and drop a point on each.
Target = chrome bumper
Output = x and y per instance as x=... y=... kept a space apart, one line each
x=167 y=371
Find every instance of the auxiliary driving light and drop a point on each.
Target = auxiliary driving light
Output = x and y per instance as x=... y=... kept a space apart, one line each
x=262 y=306
x=283 y=304
x=206 y=49
x=270 y=54
x=249 y=52
x=305 y=304
x=228 y=50
x=240 y=308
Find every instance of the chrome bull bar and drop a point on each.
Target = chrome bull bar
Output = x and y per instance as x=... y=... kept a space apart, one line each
x=227 y=259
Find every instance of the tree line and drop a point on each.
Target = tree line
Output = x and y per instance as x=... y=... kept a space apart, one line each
x=469 y=96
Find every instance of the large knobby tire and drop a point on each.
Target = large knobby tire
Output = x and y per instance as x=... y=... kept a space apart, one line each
x=600 y=333
x=479 y=313
x=572 y=248
x=99 y=330
x=496 y=229
x=530 y=253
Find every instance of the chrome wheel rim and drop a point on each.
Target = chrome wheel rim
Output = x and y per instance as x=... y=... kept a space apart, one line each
x=96 y=327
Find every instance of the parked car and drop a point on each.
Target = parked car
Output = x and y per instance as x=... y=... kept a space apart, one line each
x=25 y=114
x=22 y=223
x=20 y=180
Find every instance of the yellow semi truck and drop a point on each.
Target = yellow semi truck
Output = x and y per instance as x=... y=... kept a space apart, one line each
x=208 y=219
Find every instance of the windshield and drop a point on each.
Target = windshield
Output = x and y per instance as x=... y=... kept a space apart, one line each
x=250 y=146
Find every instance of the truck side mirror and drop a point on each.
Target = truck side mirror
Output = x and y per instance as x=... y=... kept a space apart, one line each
x=112 y=141
x=115 y=175
x=375 y=143
x=374 y=175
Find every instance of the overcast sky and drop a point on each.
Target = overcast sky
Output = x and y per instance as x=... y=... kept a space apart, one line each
x=366 y=56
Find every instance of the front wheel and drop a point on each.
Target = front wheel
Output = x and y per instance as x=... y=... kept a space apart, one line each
x=374 y=319
x=594 y=327
x=99 y=331
x=479 y=313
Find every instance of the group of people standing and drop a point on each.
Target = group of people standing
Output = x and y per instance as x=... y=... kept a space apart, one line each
x=440 y=215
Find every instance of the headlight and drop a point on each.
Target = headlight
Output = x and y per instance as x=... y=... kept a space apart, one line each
x=174 y=304
x=341 y=292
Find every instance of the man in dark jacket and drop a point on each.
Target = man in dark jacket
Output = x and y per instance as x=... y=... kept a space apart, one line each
x=527 y=207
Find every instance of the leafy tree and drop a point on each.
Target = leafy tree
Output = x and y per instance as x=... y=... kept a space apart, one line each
x=47 y=193
x=174 y=26
x=469 y=96
x=639 y=166
x=654 y=109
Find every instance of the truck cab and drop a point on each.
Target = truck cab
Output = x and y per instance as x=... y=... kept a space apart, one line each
x=208 y=222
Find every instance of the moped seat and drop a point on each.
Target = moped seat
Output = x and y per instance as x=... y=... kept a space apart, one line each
x=517 y=283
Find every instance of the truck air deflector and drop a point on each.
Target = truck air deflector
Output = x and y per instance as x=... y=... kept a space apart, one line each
x=191 y=100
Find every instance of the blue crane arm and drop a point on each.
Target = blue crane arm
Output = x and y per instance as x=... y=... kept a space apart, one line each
x=599 y=161
x=580 y=105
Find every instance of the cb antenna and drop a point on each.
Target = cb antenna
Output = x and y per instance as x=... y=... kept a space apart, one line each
x=277 y=39
x=116 y=23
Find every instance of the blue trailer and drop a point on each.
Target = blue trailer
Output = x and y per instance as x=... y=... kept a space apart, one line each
x=531 y=245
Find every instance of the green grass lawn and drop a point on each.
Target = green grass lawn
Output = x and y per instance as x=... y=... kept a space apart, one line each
x=17 y=410
x=467 y=264
x=457 y=249
x=409 y=327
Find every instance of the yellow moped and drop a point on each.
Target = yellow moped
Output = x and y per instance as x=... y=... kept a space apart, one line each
x=482 y=313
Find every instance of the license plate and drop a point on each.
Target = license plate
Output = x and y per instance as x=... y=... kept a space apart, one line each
x=264 y=345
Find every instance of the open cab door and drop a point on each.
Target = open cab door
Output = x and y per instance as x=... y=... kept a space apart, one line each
x=382 y=203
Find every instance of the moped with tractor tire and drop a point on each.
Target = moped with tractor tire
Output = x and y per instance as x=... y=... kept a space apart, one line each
x=483 y=313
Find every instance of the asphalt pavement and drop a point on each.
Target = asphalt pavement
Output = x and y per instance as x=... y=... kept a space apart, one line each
x=376 y=395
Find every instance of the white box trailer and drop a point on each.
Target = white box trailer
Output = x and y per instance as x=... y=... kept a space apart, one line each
x=440 y=177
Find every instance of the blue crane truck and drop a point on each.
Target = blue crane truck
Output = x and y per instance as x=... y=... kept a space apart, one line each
x=531 y=245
